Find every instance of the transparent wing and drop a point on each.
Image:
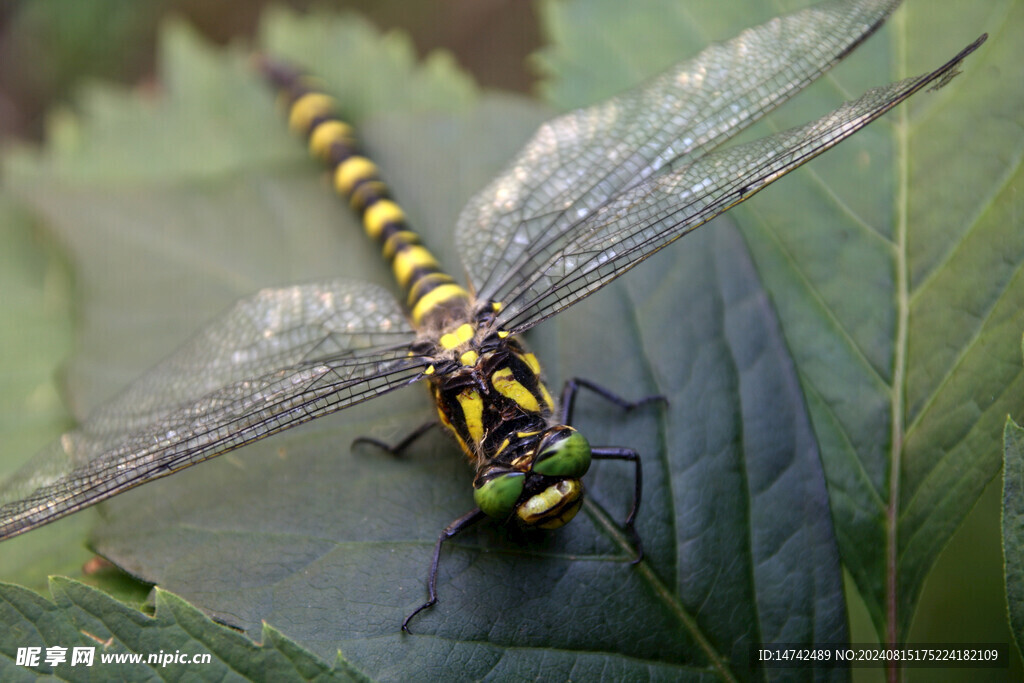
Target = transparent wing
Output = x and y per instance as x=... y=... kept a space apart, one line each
x=567 y=266
x=574 y=164
x=275 y=360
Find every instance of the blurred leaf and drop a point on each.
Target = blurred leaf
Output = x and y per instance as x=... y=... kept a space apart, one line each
x=64 y=40
x=1013 y=526
x=373 y=73
x=35 y=285
x=894 y=262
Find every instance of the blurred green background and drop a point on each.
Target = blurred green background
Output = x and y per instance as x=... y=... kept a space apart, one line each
x=49 y=47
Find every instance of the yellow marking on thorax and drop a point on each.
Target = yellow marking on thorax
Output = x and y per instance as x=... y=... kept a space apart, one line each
x=547 y=396
x=434 y=298
x=352 y=171
x=473 y=412
x=506 y=385
x=469 y=358
x=326 y=134
x=531 y=362
x=408 y=260
x=534 y=365
x=457 y=337
x=381 y=213
x=308 y=107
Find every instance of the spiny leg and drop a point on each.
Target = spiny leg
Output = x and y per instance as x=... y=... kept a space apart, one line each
x=629 y=525
x=573 y=386
x=464 y=522
x=568 y=403
x=396 y=448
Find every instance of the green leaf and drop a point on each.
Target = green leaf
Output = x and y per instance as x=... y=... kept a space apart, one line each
x=331 y=546
x=1013 y=526
x=894 y=262
x=83 y=617
x=373 y=72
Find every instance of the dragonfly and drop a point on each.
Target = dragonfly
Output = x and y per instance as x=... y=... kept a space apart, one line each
x=594 y=193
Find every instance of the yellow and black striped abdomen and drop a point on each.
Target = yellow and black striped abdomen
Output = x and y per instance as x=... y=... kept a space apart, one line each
x=429 y=290
x=488 y=390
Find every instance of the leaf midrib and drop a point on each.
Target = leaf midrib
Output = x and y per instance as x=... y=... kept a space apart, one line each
x=672 y=601
x=902 y=301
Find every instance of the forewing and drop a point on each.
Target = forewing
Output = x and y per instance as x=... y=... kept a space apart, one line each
x=576 y=163
x=275 y=360
x=568 y=265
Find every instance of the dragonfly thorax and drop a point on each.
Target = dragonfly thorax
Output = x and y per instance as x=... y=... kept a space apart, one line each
x=487 y=390
x=491 y=397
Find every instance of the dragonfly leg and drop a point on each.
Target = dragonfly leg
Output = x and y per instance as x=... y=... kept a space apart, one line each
x=568 y=403
x=573 y=386
x=630 y=524
x=396 y=448
x=464 y=522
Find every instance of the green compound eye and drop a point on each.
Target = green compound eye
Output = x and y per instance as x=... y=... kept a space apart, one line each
x=563 y=453
x=497 y=495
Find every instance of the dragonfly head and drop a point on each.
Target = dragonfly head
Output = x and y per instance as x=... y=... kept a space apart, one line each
x=542 y=489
